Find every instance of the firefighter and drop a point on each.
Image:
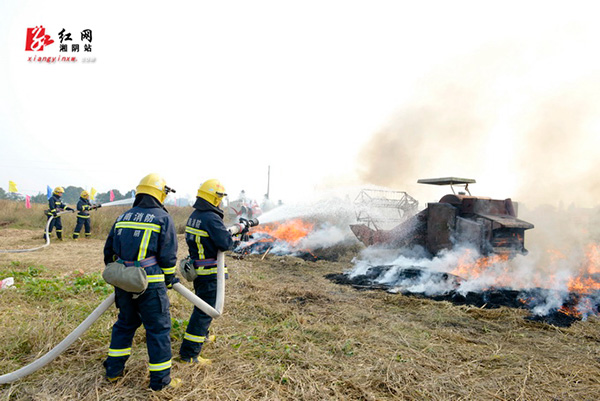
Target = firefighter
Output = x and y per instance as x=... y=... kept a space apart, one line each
x=55 y=206
x=205 y=235
x=83 y=215
x=144 y=236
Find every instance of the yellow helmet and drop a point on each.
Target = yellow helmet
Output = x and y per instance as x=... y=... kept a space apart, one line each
x=153 y=185
x=85 y=195
x=58 y=191
x=212 y=191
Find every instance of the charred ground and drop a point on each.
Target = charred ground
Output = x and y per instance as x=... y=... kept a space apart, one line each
x=289 y=333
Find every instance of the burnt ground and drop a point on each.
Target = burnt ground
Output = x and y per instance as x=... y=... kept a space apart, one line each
x=490 y=299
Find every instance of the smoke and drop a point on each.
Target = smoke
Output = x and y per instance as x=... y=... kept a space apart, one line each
x=462 y=270
x=325 y=236
x=522 y=118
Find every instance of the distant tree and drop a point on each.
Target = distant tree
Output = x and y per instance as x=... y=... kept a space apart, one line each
x=71 y=195
x=104 y=197
x=2 y=194
x=15 y=196
x=39 y=198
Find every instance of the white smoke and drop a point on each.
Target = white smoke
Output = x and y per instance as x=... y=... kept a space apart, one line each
x=411 y=270
x=326 y=236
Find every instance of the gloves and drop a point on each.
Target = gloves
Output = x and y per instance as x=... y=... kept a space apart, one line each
x=170 y=279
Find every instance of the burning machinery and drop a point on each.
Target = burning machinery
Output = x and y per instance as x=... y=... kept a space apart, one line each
x=489 y=225
x=376 y=208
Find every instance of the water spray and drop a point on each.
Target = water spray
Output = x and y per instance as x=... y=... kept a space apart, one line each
x=47 y=234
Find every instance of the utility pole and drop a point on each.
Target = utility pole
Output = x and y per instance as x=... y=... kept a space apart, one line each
x=268 y=180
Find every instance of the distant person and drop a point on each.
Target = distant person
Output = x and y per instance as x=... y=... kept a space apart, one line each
x=266 y=204
x=56 y=206
x=144 y=236
x=205 y=235
x=83 y=215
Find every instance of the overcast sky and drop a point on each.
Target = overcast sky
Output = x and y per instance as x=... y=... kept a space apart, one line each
x=322 y=91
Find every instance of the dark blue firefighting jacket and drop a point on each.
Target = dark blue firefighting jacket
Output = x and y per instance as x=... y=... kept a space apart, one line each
x=55 y=205
x=83 y=208
x=205 y=235
x=144 y=233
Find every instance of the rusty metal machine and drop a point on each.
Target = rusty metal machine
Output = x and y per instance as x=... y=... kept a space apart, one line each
x=489 y=225
x=380 y=209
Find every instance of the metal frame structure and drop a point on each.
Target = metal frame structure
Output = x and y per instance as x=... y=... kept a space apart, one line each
x=449 y=181
x=370 y=200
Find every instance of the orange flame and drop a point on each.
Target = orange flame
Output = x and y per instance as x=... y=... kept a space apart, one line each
x=291 y=231
x=588 y=281
x=469 y=269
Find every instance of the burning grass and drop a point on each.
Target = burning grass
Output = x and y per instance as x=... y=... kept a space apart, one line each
x=288 y=333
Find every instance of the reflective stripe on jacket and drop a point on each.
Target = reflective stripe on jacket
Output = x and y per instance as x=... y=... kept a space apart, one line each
x=144 y=232
x=83 y=208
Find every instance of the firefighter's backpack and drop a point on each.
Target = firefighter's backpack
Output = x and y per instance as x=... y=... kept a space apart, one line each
x=187 y=269
x=128 y=278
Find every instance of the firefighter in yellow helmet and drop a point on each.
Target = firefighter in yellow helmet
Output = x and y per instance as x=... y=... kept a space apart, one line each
x=205 y=235
x=55 y=206
x=83 y=215
x=144 y=236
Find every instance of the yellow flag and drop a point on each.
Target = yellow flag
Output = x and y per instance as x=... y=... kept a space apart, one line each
x=93 y=193
x=12 y=187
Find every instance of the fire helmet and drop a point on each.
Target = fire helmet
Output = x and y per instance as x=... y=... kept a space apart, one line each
x=212 y=191
x=153 y=185
x=59 y=191
x=85 y=195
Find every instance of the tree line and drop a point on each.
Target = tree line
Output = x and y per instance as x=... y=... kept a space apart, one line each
x=70 y=197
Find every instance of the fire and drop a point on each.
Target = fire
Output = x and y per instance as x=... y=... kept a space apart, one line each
x=593 y=258
x=291 y=231
x=588 y=280
x=470 y=269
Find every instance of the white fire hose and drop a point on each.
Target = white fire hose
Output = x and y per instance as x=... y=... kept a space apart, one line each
x=114 y=203
x=39 y=247
x=198 y=302
x=61 y=347
x=103 y=307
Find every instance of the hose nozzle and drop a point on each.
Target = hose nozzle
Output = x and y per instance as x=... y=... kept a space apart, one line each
x=249 y=222
x=243 y=226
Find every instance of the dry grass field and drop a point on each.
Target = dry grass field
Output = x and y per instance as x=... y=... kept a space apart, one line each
x=287 y=333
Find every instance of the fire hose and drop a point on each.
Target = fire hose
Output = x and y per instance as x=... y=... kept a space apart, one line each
x=103 y=307
x=239 y=228
x=47 y=234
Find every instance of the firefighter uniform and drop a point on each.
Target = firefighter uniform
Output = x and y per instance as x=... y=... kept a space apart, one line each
x=55 y=205
x=83 y=216
x=144 y=236
x=205 y=235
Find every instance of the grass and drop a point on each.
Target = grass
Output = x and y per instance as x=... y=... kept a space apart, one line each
x=287 y=334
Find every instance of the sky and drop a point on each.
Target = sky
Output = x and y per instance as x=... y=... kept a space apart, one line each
x=329 y=94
